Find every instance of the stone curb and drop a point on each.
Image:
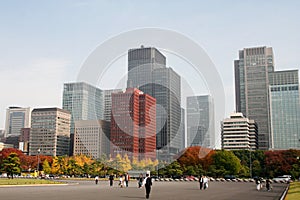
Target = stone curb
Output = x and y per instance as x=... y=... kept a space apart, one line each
x=33 y=185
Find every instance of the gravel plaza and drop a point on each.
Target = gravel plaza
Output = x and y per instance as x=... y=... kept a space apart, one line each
x=88 y=190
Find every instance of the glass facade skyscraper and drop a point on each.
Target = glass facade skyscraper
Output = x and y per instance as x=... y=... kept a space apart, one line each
x=252 y=89
x=107 y=102
x=285 y=109
x=200 y=121
x=84 y=102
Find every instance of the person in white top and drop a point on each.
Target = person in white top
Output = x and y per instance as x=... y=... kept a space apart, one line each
x=205 y=182
x=121 y=184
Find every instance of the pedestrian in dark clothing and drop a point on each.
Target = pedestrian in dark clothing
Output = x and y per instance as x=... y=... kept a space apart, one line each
x=127 y=179
x=148 y=184
x=201 y=182
x=140 y=180
x=111 y=180
x=96 y=180
x=268 y=184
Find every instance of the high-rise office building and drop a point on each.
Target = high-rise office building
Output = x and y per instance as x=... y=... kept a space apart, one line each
x=92 y=138
x=238 y=133
x=16 y=119
x=147 y=127
x=133 y=125
x=285 y=109
x=107 y=102
x=1 y=135
x=50 y=132
x=182 y=128
x=147 y=71
x=141 y=63
x=24 y=140
x=84 y=102
x=252 y=89
x=200 y=121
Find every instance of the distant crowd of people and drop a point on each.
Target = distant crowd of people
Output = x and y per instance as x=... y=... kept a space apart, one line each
x=259 y=184
x=146 y=182
x=124 y=182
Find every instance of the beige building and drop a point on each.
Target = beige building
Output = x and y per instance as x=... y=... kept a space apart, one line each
x=3 y=146
x=50 y=132
x=239 y=132
x=92 y=138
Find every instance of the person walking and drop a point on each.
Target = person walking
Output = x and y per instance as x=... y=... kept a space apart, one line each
x=147 y=182
x=111 y=180
x=205 y=182
x=257 y=181
x=268 y=184
x=201 y=182
x=121 y=184
x=127 y=179
x=140 y=180
x=96 y=179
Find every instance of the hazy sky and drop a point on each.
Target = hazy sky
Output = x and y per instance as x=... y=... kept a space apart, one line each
x=44 y=43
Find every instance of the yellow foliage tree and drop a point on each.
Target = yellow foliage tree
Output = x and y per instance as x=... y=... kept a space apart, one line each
x=135 y=164
x=126 y=164
x=81 y=159
x=55 y=166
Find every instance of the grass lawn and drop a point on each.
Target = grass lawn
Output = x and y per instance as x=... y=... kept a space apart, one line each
x=294 y=191
x=18 y=181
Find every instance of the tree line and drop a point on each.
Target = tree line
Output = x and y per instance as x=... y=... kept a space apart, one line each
x=193 y=161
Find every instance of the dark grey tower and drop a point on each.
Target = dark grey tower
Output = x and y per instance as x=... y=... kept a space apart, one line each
x=147 y=71
x=141 y=63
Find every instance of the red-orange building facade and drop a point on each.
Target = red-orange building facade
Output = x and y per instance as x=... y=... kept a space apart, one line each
x=133 y=125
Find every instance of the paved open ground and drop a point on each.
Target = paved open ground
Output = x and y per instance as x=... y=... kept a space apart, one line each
x=87 y=190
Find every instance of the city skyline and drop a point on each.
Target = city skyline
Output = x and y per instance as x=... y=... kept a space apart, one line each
x=55 y=56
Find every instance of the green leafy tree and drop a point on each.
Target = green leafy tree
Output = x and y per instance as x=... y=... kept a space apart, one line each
x=226 y=163
x=295 y=171
x=174 y=169
x=256 y=168
x=97 y=168
x=87 y=169
x=244 y=156
x=73 y=168
x=11 y=165
x=189 y=170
